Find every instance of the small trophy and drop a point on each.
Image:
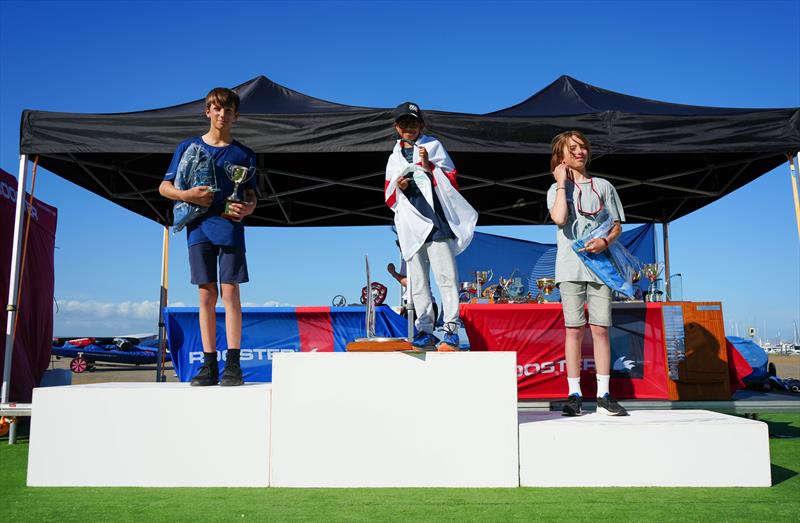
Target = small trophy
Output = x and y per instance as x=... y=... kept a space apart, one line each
x=378 y=294
x=238 y=174
x=652 y=271
x=481 y=277
x=505 y=297
x=546 y=286
x=516 y=290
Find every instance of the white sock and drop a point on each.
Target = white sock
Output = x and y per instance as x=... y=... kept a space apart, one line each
x=602 y=385
x=574 y=385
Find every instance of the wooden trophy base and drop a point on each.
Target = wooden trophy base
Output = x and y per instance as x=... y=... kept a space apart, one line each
x=380 y=345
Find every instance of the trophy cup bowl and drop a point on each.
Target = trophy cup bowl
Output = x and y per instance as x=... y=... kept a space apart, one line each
x=546 y=286
x=482 y=277
x=238 y=174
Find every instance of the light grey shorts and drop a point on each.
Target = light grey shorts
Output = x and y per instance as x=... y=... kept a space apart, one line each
x=575 y=294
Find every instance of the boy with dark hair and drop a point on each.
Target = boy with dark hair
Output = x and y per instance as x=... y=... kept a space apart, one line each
x=216 y=238
x=434 y=222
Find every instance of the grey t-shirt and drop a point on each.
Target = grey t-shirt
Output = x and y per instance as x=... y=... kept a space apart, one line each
x=569 y=266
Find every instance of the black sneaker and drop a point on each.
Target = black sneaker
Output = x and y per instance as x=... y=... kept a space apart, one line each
x=231 y=376
x=573 y=406
x=609 y=406
x=207 y=375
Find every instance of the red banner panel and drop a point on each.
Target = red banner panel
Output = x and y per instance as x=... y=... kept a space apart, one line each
x=536 y=333
x=34 y=335
x=314 y=325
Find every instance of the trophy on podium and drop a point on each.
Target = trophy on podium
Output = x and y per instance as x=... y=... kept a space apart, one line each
x=238 y=174
x=371 y=294
x=546 y=286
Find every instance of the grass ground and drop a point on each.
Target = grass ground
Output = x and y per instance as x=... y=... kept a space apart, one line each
x=781 y=502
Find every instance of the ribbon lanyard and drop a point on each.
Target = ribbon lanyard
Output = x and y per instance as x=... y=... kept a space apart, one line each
x=580 y=197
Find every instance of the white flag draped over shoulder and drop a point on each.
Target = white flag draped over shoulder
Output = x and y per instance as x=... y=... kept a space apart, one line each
x=412 y=227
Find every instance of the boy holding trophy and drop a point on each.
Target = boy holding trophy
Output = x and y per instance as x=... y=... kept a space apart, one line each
x=213 y=176
x=434 y=222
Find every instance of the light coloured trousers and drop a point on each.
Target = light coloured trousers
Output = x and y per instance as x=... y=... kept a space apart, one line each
x=436 y=255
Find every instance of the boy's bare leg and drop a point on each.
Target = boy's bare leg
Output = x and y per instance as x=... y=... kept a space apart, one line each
x=233 y=314
x=602 y=349
x=572 y=351
x=572 y=354
x=208 y=316
x=208 y=373
x=602 y=362
x=232 y=376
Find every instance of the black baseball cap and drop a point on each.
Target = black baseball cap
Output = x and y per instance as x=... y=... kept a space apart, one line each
x=407 y=109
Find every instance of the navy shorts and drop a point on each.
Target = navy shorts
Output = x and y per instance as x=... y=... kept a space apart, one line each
x=204 y=258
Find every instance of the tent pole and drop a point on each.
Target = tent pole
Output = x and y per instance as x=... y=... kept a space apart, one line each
x=13 y=287
x=162 y=331
x=668 y=291
x=794 y=191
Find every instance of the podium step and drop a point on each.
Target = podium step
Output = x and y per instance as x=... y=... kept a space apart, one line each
x=394 y=420
x=661 y=448
x=150 y=435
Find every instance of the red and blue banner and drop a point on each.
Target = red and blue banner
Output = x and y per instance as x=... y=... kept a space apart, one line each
x=267 y=330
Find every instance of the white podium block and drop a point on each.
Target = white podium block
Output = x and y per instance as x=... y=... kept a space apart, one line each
x=394 y=420
x=657 y=448
x=150 y=435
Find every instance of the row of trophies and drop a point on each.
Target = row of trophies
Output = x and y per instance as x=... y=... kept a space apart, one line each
x=507 y=290
x=512 y=290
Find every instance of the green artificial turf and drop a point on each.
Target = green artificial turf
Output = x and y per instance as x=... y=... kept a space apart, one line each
x=781 y=502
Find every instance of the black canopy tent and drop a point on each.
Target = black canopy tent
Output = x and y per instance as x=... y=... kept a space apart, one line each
x=322 y=163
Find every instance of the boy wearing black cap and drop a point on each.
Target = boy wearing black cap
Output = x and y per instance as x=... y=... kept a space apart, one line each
x=434 y=222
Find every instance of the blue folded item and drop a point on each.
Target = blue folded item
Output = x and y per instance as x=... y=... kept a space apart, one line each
x=196 y=169
x=616 y=266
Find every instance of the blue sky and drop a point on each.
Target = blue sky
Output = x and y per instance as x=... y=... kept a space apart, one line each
x=459 y=56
